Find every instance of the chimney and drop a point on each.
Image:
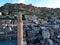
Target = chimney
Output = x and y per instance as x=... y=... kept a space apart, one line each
x=20 y=29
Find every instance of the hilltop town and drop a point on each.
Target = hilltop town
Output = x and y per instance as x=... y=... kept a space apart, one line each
x=41 y=25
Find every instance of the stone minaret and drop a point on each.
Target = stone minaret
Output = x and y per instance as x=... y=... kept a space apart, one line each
x=20 y=29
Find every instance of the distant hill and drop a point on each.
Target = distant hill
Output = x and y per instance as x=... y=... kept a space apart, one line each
x=32 y=9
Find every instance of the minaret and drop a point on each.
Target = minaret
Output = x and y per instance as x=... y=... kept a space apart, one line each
x=20 y=29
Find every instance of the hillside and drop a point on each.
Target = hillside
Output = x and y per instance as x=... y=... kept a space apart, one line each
x=31 y=9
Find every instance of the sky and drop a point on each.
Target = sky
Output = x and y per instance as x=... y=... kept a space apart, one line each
x=38 y=3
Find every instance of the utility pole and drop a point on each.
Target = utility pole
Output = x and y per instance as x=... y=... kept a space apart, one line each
x=20 y=29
